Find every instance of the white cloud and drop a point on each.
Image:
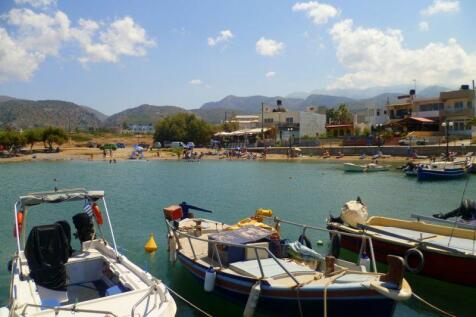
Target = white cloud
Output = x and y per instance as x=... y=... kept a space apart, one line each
x=195 y=82
x=320 y=13
x=122 y=37
x=423 y=26
x=268 y=47
x=34 y=36
x=379 y=58
x=441 y=6
x=270 y=74
x=223 y=36
x=37 y=3
x=15 y=62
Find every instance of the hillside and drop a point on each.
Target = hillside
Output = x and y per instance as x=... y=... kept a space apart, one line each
x=142 y=114
x=23 y=114
x=250 y=104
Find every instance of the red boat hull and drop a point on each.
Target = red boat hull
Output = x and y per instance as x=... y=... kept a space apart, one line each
x=445 y=267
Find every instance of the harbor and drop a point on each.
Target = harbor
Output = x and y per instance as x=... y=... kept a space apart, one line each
x=304 y=192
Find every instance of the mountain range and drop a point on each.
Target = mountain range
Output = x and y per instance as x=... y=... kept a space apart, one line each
x=23 y=113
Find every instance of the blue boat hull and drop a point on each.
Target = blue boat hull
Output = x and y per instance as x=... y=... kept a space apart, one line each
x=286 y=303
x=434 y=174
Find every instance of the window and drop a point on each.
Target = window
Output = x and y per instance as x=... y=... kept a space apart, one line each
x=268 y=120
x=469 y=104
x=378 y=113
x=289 y=120
x=459 y=105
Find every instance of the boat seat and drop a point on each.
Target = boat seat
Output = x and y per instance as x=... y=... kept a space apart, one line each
x=47 y=252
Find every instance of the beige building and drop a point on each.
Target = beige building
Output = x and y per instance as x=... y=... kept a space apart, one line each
x=455 y=106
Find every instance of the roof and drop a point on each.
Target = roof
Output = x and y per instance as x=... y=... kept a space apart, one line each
x=59 y=196
x=331 y=126
x=422 y=120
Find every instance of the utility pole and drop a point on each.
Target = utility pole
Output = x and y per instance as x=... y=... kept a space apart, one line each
x=262 y=120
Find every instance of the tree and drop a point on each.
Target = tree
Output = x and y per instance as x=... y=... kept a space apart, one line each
x=32 y=136
x=184 y=127
x=12 y=140
x=53 y=135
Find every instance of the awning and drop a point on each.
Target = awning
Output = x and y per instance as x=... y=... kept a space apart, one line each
x=242 y=132
x=59 y=196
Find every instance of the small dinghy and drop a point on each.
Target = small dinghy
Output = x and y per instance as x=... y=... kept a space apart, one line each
x=443 y=170
x=49 y=278
x=371 y=167
x=251 y=262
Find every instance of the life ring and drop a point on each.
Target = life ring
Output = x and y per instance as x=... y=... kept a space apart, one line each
x=97 y=214
x=335 y=244
x=304 y=240
x=421 y=260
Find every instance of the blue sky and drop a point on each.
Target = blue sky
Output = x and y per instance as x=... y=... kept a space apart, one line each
x=113 y=55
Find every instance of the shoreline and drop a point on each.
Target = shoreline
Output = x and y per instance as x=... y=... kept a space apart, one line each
x=120 y=155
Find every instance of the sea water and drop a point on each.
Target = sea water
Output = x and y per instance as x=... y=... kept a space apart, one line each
x=306 y=193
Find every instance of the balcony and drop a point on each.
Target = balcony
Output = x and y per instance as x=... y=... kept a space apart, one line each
x=465 y=112
x=285 y=126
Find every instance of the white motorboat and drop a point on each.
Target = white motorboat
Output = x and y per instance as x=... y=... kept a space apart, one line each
x=371 y=167
x=49 y=278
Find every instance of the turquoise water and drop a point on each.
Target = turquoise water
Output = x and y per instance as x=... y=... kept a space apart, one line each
x=304 y=192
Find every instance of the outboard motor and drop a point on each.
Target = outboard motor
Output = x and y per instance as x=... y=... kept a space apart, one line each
x=84 y=227
x=354 y=212
x=47 y=252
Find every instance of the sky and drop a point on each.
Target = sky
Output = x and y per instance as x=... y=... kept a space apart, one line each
x=115 y=54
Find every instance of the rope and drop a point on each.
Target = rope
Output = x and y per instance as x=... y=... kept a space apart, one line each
x=188 y=302
x=299 y=301
x=441 y=311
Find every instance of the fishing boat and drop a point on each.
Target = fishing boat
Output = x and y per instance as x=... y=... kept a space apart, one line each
x=249 y=261
x=50 y=278
x=443 y=170
x=444 y=251
x=371 y=167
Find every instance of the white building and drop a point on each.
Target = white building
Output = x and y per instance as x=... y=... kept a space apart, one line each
x=147 y=128
x=294 y=124
x=370 y=117
x=247 y=121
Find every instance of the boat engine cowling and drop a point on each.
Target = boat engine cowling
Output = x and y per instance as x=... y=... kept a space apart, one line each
x=354 y=212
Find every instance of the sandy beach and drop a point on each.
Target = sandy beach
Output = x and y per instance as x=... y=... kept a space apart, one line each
x=94 y=154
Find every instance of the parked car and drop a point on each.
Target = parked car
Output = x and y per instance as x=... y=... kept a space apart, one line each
x=91 y=144
x=414 y=141
x=157 y=145
x=177 y=144
x=145 y=146
x=120 y=145
x=190 y=145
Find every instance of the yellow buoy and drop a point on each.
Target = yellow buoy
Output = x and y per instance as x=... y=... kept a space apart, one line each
x=151 y=246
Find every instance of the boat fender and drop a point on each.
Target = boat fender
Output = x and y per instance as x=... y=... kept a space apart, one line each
x=97 y=213
x=20 y=223
x=335 y=245
x=172 y=250
x=421 y=260
x=304 y=240
x=210 y=276
x=4 y=312
x=10 y=265
x=252 y=301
